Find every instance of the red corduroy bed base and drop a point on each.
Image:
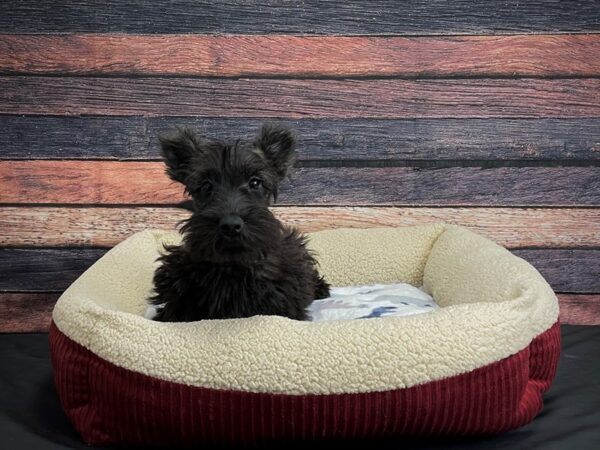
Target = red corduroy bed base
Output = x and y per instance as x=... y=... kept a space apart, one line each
x=112 y=405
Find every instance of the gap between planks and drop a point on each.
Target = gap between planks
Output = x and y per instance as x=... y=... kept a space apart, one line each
x=105 y=227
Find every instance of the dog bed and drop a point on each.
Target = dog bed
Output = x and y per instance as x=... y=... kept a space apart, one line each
x=477 y=365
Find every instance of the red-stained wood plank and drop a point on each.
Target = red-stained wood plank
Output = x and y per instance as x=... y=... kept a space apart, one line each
x=31 y=312
x=298 y=98
x=105 y=227
x=26 y=312
x=95 y=182
x=144 y=183
x=580 y=309
x=305 y=56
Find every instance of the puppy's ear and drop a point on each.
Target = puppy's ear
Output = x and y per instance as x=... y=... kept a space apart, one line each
x=277 y=145
x=178 y=147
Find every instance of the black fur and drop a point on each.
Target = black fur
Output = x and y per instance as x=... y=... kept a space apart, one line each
x=236 y=259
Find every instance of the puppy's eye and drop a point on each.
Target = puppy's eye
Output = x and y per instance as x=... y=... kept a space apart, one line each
x=205 y=188
x=255 y=183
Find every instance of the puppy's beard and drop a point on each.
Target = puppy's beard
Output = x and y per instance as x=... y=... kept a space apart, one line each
x=220 y=250
x=230 y=248
x=206 y=244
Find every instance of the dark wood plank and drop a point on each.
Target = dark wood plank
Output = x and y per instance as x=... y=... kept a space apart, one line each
x=106 y=227
x=566 y=140
x=39 y=137
x=26 y=312
x=47 y=270
x=298 y=98
x=525 y=186
x=332 y=56
x=144 y=183
x=32 y=312
x=306 y=17
x=563 y=268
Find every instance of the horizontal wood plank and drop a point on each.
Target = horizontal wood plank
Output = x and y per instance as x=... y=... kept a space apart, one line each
x=54 y=269
x=105 y=227
x=551 y=140
x=306 y=17
x=41 y=137
x=579 y=309
x=26 y=312
x=92 y=182
x=298 y=98
x=277 y=55
x=566 y=270
x=32 y=312
x=44 y=269
x=144 y=183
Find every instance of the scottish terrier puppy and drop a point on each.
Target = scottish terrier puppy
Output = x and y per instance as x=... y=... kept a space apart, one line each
x=236 y=259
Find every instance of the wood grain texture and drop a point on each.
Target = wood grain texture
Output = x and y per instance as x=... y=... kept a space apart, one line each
x=306 y=17
x=54 y=269
x=96 y=182
x=566 y=140
x=579 y=309
x=106 y=227
x=528 y=186
x=144 y=183
x=298 y=98
x=26 y=312
x=281 y=55
x=31 y=312
x=567 y=270
x=44 y=269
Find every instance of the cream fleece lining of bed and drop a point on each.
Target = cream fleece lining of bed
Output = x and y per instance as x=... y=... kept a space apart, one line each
x=492 y=305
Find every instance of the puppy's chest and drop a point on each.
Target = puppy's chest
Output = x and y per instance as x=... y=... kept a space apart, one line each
x=226 y=281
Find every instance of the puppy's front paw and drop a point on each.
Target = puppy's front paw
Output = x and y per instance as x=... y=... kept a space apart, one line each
x=321 y=289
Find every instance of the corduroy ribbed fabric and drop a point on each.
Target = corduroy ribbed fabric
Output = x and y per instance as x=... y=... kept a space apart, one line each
x=112 y=405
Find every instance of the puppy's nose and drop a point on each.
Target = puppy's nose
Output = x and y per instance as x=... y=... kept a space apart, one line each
x=231 y=225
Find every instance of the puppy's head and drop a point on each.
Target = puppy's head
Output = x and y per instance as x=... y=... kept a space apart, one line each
x=232 y=186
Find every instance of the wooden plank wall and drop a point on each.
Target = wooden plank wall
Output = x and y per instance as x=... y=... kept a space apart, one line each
x=480 y=113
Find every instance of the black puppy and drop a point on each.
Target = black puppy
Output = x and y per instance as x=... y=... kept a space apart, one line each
x=236 y=259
